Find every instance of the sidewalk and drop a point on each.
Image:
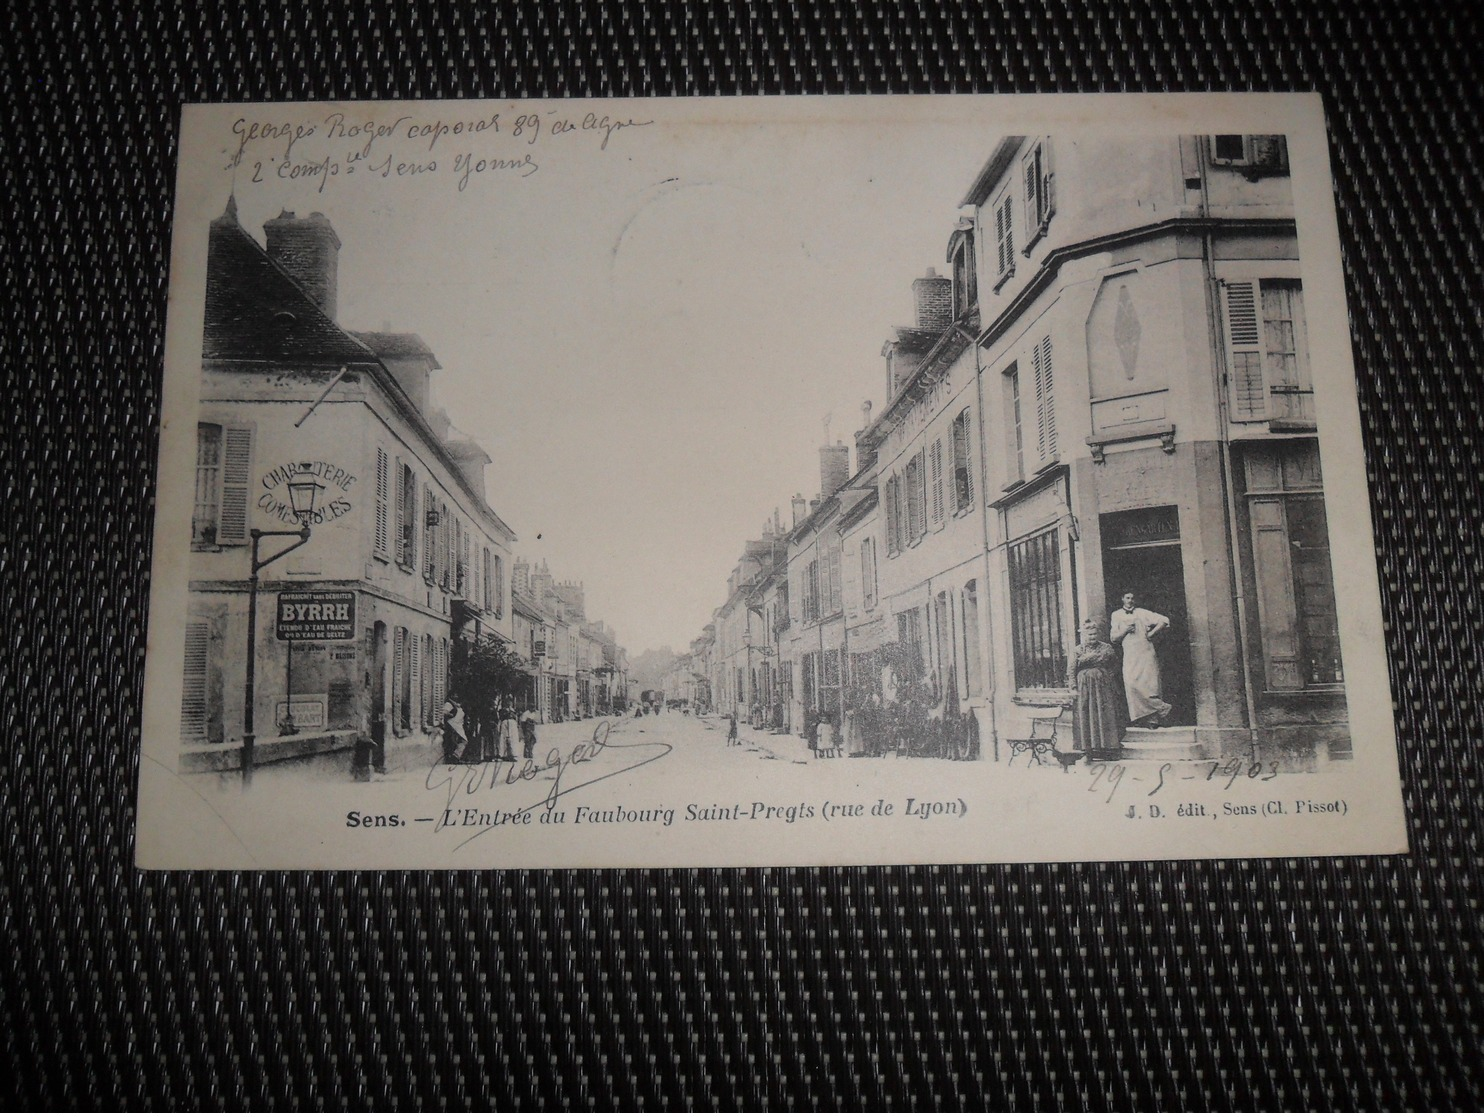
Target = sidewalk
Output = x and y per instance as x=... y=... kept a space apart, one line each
x=788 y=747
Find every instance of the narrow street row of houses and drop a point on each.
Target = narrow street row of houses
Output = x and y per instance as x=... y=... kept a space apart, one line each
x=359 y=627
x=1109 y=392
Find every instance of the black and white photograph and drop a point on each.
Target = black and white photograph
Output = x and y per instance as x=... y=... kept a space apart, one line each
x=810 y=481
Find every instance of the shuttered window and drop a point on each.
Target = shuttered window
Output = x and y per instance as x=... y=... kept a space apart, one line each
x=1004 y=235
x=1244 y=353
x=224 y=454
x=1045 y=387
x=193 y=684
x=916 y=482
x=1040 y=196
x=399 y=678
x=236 y=478
x=1014 y=440
x=466 y=569
x=1267 y=351
x=963 y=474
x=893 y=515
x=425 y=684
x=935 y=460
x=446 y=556
x=382 y=539
x=406 y=516
x=417 y=667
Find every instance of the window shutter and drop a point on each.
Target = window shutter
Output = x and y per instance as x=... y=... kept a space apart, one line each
x=399 y=668
x=430 y=537
x=1032 y=183
x=425 y=684
x=1277 y=609
x=383 y=496
x=1048 y=183
x=400 y=511
x=922 y=492
x=1045 y=400
x=1249 y=397
x=1004 y=232
x=963 y=473
x=193 y=688
x=236 y=478
x=414 y=514
x=937 y=460
x=414 y=679
x=891 y=515
x=445 y=539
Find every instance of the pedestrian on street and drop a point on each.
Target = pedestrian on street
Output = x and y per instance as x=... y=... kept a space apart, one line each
x=528 y=732
x=732 y=737
x=454 y=736
x=507 y=729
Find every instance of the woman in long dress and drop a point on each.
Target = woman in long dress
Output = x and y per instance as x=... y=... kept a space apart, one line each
x=1097 y=709
x=1135 y=629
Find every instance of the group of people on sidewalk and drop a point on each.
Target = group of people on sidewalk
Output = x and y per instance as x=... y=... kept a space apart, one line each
x=465 y=743
x=1103 y=705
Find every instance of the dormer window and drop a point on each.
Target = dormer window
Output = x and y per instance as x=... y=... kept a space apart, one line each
x=1257 y=155
x=964 y=270
x=1040 y=192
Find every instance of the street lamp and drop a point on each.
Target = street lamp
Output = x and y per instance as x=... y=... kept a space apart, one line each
x=303 y=490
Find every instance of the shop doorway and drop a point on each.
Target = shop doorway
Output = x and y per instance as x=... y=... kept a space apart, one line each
x=1142 y=555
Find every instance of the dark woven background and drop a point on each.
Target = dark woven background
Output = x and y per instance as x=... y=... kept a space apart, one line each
x=1300 y=984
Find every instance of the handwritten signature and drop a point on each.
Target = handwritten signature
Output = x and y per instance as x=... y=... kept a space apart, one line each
x=465 y=782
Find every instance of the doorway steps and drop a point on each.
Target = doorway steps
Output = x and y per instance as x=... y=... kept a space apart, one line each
x=1171 y=742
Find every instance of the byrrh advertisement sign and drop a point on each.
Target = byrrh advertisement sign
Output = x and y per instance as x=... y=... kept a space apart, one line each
x=316 y=615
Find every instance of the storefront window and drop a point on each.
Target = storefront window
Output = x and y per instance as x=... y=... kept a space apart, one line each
x=1036 y=611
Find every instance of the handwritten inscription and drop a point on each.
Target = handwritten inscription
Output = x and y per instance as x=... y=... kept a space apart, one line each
x=325 y=150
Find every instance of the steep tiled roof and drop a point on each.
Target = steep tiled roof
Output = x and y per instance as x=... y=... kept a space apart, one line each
x=255 y=312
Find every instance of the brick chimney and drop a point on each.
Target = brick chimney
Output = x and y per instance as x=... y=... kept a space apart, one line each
x=800 y=508
x=933 y=294
x=309 y=251
x=834 y=469
x=865 y=456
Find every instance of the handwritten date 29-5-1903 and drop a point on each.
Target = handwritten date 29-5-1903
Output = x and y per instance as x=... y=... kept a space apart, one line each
x=1109 y=775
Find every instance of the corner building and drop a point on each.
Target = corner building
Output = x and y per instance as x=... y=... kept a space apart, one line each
x=402 y=522
x=1150 y=429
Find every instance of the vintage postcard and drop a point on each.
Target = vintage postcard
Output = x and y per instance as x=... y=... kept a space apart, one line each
x=788 y=481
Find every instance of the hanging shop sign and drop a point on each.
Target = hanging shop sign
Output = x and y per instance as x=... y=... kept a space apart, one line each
x=316 y=615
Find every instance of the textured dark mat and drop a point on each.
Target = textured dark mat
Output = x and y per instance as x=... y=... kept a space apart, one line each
x=1294 y=984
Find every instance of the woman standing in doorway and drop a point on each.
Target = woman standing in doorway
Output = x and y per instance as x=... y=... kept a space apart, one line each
x=1135 y=628
x=1097 y=715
